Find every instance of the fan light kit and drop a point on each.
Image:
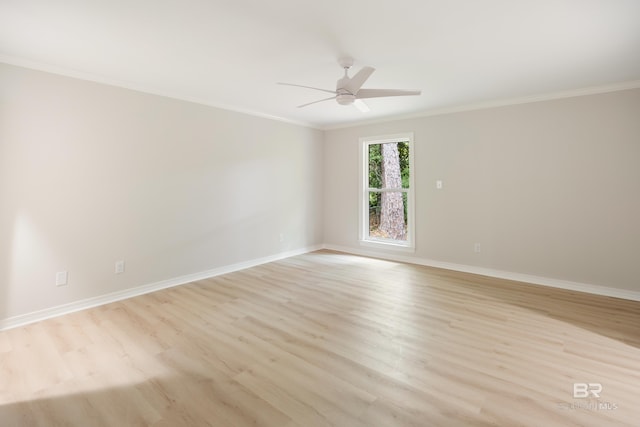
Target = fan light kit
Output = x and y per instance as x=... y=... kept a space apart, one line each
x=348 y=89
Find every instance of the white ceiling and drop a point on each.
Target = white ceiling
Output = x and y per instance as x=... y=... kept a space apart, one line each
x=231 y=53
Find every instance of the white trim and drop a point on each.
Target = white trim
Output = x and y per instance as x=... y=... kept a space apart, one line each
x=388 y=190
x=68 y=72
x=363 y=193
x=36 y=316
x=387 y=244
x=96 y=78
x=500 y=274
x=593 y=90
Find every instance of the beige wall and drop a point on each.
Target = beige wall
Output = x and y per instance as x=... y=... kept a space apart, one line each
x=550 y=189
x=90 y=174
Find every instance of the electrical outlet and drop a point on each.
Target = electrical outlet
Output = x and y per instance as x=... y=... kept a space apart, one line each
x=61 y=278
x=439 y=184
x=476 y=248
x=281 y=237
x=119 y=267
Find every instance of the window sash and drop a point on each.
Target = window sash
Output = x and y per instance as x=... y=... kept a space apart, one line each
x=389 y=190
x=365 y=190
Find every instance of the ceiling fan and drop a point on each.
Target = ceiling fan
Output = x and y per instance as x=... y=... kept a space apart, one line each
x=348 y=89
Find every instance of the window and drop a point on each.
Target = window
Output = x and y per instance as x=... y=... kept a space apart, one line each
x=386 y=184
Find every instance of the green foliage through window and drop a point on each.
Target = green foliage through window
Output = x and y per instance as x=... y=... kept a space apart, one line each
x=375 y=178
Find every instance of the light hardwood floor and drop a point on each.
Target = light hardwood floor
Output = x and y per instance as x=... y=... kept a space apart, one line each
x=329 y=339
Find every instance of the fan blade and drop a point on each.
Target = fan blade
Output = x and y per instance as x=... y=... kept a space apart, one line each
x=308 y=87
x=360 y=105
x=315 y=102
x=377 y=93
x=356 y=82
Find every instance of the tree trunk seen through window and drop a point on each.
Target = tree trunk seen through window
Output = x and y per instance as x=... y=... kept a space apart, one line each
x=392 y=206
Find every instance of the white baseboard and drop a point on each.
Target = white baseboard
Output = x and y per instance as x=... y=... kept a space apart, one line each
x=519 y=277
x=36 y=316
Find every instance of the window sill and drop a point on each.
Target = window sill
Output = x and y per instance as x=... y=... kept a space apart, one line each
x=385 y=244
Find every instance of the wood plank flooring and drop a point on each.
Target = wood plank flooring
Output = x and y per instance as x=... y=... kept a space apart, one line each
x=329 y=339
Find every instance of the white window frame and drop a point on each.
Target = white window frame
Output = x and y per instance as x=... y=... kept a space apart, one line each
x=363 y=205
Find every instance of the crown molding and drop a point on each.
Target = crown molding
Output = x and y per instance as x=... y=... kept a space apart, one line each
x=97 y=78
x=593 y=90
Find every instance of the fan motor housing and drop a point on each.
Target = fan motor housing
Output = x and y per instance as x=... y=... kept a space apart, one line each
x=345 y=98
